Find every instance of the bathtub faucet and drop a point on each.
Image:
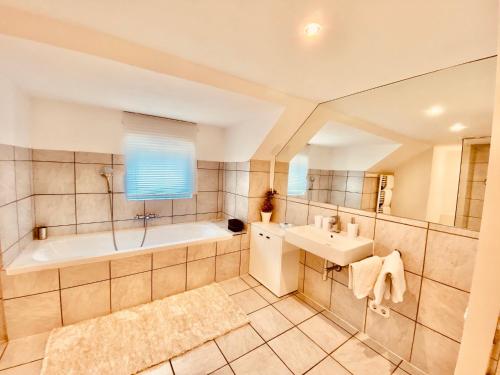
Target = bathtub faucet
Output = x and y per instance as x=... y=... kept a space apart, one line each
x=146 y=217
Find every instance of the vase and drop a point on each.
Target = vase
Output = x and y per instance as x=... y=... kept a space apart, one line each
x=266 y=216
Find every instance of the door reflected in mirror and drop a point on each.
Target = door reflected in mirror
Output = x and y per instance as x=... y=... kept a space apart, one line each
x=417 y=149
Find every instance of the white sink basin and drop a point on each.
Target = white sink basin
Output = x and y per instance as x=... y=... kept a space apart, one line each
x=335 y=247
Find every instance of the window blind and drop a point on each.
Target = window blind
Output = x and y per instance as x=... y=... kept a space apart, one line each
x=297 y=175
x=160 y=158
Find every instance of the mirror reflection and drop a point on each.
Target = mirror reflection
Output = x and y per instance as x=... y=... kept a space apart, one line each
x=418 y=148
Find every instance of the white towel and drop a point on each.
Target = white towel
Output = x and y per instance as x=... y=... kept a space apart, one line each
x=363 y=274
x=391 y=280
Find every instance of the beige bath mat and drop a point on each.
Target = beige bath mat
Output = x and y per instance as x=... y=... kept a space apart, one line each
x=132 y=340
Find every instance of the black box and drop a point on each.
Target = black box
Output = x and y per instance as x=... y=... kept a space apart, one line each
x=235 y=225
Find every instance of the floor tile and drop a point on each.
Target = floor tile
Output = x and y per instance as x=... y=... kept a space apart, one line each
x=161 y=369
x=361 y=360
x=249 y=300
x=324 y=332
x=32 y=368
x=226 y=370
x=269 y=322
x=204 y=359
x=261 y=361
x=295 y=310
x=328 y=366
x=400 y=372
x=24 y=350
x=234 y=285
x=267 y=294
x=340 y=322
x=298 y=351
x=250 y=280
x=379 y=348
x=238 y=342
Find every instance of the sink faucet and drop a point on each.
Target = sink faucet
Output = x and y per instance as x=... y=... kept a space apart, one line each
x=146 y=216
x=335 y=224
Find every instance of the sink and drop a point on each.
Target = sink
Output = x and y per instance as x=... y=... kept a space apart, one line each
x=335 y=247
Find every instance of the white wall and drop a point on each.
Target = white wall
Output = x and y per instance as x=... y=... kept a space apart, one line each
x=59 y=125
x=15 y=115
x=411 y=186
x=444 y=182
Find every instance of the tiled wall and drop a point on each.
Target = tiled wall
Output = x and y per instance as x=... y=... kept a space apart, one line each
x=39 y=301
x=494 y=368
x=245 y=184
x=71 y=196
x=16 y=206
x=426 y=329
x=472 y=186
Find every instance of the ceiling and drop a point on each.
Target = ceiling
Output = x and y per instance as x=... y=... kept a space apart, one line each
x=335 y=134
x=465 y=93
x=43 y=70
x=362 y=44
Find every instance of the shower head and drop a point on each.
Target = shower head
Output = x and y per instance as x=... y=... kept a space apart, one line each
x=107 y=173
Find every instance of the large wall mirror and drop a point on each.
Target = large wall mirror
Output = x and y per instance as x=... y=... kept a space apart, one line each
x=417 y=148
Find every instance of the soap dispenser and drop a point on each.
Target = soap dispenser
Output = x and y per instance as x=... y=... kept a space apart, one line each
x=352 y=229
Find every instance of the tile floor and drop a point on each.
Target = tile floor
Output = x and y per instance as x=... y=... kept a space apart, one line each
x=285 y=336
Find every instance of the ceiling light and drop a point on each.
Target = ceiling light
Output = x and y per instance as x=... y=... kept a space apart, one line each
x=434 y=111
x=457 y=127
x=312 y=29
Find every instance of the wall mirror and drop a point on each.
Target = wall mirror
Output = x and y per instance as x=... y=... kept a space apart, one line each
x=417 y=148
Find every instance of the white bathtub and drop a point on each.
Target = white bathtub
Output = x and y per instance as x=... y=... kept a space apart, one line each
x=63 y=251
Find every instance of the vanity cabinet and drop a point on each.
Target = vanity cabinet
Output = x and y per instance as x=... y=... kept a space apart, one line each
x=273 y=262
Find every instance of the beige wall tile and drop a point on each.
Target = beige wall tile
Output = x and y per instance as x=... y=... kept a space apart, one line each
x=410 y=241
x=84 y=274
x=201 y=251
x=206 y=202
x=93 y=227
x=442 y=308
x=92 y=208
x=125 y=209
x=208 y=180
x=85 y=302
x=241 y=208
x=52 y=155
x=118 y=159
x=337 y=197
x=202 y=164
x=183 y=219
x=244 y=262
x=316 y=210
x=8 y=226
x=433 y=353
x=230 y=181
x=348 y=307
x=88 y=178
x=260 y=165
x=242 y=183
x=169 y=257
x=259 y=184
x=184 y=206
x=118 y=178
x=254 y=209
x=168 y=281
x=26 y=216
x=7 y=182
x=24 y=179
x=450 y=259
x=159 y=207
x=61 y=230
x=229 y=246
x=313 y=261
x=394 y=333
x=29 y=283
x=279 y=211
x=410 y=299
x=229 y=204
x=354 y=184
x=6 y=152
x=200 y=272
x=366 y=224
x=131 y=265
x=317 y=289
x=53 y=178
x=281 y=183
x=130 y=291
x=227 y=266
x=51 y=210
x=353 y=200
x=296 y=213
x=33 y=314
x=92 y=157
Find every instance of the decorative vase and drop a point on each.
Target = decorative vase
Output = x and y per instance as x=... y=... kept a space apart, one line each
x=266 y=216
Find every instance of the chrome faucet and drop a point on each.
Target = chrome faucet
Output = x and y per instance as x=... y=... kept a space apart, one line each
x=146 y=216
x=335 y=224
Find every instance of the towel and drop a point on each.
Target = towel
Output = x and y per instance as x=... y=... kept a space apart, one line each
x=363 y=274
x=391 y=280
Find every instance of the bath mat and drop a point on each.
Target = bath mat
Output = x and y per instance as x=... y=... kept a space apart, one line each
x=131 y=340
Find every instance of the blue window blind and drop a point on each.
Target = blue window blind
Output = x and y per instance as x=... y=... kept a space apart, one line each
x=297 y=175
x=160 y=158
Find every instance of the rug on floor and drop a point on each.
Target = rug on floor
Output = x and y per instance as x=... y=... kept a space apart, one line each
x=131 y=340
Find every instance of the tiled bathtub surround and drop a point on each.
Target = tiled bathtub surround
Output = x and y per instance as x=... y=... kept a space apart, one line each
x=425 y=330
x=39 y=301
x=71 y=196
x=245 y=184
x=16 y=206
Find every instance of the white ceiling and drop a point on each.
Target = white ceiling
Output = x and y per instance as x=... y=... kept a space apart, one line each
x=362 y=44
x=46 y=71
x=334 y=134
x=465 y=92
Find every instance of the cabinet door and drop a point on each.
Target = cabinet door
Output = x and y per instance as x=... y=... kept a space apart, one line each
x=257 y=256
x=265 y=259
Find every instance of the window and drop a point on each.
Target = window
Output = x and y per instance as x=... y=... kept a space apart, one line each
x=297 y=175
x=160 y=158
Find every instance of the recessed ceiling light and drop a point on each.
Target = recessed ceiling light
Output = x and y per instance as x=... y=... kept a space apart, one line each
x=457 y=127
x=434 y=111
x=312 y=29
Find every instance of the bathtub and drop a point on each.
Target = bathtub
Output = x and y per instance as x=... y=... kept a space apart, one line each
x=70 y=250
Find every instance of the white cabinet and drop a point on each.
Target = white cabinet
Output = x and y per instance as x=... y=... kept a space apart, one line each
x=273 y=262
